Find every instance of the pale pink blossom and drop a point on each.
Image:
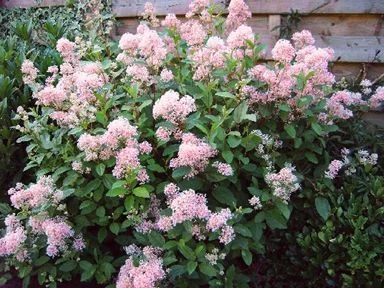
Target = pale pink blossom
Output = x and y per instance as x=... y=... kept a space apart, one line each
x=171 y=21
x=193 y=153
x=238 y=13
x=283 y=51
x=173 y=108
x=302 y=39
x=193 y=32
x=223 y=168
x=238 y=38
x=333 y=169
x=377 y=99
x=29 y=72
x=283 y=183
x=166 y=75
x=146 y=275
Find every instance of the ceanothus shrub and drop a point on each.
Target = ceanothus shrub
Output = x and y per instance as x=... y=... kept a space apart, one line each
x=174 y=156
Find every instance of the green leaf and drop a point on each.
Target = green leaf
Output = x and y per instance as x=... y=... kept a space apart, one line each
x=141 y=192
x=85 y=265
x=240 y=112
x=247 y=256
x=68 y=266
x=115 y=228
x=290 y=129
x=100 y=168
x=224 y=196
x=207 y=269
x=228 y=156
x=275 y=219
x=311 y=157
x=233 y=141
x=187 y=252
x=317 y=128
x=322 y=207
x=225 y=95
x=156 y=239
x=116 y=191
x=191 y=267
x=180 y=172
x=243 y=230
x=87 y=274
x=129 y=202
x=102 y=234
x=284 y=107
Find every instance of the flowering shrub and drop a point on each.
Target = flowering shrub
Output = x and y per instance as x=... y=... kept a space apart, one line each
x=184 y=150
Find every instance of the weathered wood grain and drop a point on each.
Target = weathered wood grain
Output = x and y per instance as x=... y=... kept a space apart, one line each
x=31 y=3
x=260 y=24
x=132 y=8
x=344 y=25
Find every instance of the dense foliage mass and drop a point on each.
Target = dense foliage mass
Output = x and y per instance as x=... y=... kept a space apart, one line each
x=180 y=161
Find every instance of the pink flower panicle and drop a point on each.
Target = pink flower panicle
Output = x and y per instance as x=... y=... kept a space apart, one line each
x=302 y=39
x=255 y=203
x=166 y=75
x=29 y=72
x=337 y=104
x=41 y=193
x=193 y=32
x=193 y=153
x=173 y=108
x=146 y=275
x=149 y=15
x=223 y=168
x=283 y=51
x=171 y=21
x=238 y=13
x=377 y=99
x=283 y=183
x=333 y=169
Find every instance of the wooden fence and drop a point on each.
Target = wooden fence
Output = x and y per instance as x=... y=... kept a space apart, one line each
x=353 y=28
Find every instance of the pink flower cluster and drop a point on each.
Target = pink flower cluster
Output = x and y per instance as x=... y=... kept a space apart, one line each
x=223 y=168
x=149 y=15
x=29 y=72
x=146 y=275
x=193 y=32
x=118 y=141
x=238 y=13
x=197 y=7
x=377 y=98
x=73 y=96
x=193 y=153
x=292 y=60
x=333 y=169
x=41 y=193
x=283 y=183
x=13 y=241
x=209 y=57
x=337 y=104
x=173 y=108
x=191 y=206
x=146 y=45
x=40 y=199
